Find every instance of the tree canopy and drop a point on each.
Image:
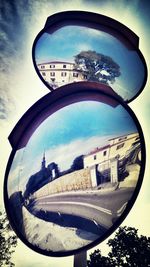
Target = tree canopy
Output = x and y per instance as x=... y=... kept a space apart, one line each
x=97 y=67
x=97 y=260
x=8 y=241
x=77 y=163
x=127 y=250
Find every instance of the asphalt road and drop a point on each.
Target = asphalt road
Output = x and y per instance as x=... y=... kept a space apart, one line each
x=94 y=209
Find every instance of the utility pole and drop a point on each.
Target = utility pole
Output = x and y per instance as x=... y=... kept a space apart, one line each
x=80 y=260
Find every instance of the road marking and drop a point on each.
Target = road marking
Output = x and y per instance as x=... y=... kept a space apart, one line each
x=96 y=223
x=79 y=204
x=121 y=209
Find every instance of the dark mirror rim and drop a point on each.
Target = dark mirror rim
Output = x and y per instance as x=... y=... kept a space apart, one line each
x=38 y=111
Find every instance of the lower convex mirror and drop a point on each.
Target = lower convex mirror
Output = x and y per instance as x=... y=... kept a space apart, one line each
x=77 y=177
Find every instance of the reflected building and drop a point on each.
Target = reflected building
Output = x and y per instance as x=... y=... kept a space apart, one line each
x=42 y=177
x=104 y=162
x=103 y=166
x=59 y=73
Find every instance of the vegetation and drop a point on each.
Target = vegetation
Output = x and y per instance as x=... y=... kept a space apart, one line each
x=97 y=67
x=77 y=163
x=8 y=241
x=127 y=250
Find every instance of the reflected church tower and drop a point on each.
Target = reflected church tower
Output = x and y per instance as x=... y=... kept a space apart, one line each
x=43 y=164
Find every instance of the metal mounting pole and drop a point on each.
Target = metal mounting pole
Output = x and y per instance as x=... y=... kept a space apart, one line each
x=80 y=260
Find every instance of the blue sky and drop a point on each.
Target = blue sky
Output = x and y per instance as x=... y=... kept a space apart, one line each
x=68 y=41
x=78 y=121
x=70 y=132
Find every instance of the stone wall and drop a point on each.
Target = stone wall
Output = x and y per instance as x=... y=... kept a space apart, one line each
x=78 y=180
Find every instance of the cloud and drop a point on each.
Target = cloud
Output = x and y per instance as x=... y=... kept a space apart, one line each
x=15 y=175
x=64 y=155
x=20 y=22
x=24 y=165
x=6 y=105
x=14 y=180
x=84 y=47
x=10 y=53
x=2 y=109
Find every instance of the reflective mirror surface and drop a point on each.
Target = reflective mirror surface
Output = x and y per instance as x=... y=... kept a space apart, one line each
x=75 y=53
x=75 y=178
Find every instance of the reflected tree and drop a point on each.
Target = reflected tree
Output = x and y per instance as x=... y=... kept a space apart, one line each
x=77 y=163
x=97 y=67
x=53 y=170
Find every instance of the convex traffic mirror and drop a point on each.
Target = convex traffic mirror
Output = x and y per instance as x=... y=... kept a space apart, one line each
x=75 y=170
x=82 y=46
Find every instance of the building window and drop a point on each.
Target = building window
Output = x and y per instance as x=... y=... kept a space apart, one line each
x=52 y=74
x=42 y=67
x=43 y=73
x=75 y=74
x=52 y=66
x=94 y=157
x=53 y=79
x=85 y=76
x=104 y=153
x=64 y=66
x=63 y=74
x=120 y=146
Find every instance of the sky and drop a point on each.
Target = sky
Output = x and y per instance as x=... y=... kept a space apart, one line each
x=72 y=131
x=21 y=87
x=65 y=43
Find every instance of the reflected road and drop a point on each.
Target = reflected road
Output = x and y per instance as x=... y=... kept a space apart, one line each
x=100 y=208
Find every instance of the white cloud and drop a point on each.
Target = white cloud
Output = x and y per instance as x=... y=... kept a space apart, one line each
x=84 y=47
x=64 y=155
x=24 y=165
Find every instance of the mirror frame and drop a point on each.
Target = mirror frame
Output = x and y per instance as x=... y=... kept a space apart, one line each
x=95 y=21
x=42 y=109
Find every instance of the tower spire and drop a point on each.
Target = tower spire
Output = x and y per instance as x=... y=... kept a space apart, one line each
x=43 y=164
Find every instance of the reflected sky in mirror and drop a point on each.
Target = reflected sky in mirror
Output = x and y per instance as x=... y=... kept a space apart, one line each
x=64 y=44
x=77 y=160
x=73 y=130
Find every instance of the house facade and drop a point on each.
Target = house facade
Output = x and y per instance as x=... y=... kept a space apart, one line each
x=59 y=73
x=105 y=159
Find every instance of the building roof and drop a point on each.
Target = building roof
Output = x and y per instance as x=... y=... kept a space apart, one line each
x=97 y=149
x=121 y=136
x=56 y=62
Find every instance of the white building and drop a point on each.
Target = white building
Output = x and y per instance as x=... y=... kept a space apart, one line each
x=104 y=158
x=58 y=73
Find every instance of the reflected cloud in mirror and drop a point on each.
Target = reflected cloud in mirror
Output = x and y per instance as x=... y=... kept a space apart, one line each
x=61 y=185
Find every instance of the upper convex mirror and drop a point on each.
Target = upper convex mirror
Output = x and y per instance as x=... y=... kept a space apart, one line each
x=82 y=46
